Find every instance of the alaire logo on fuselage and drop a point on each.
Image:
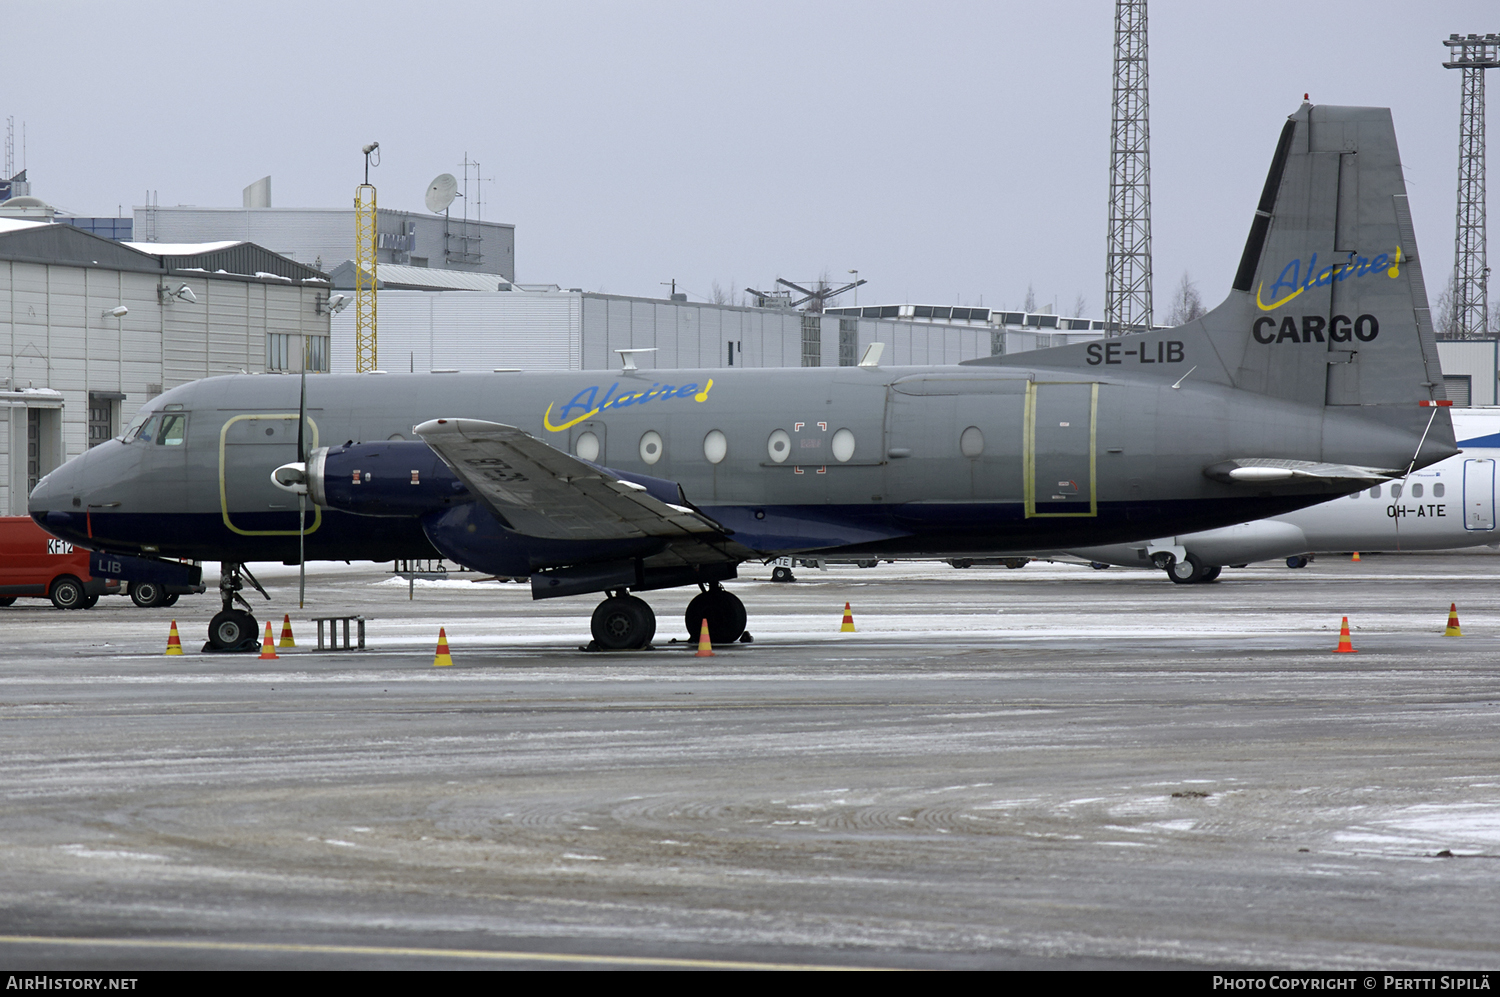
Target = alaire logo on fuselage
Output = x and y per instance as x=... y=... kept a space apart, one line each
x=589 y=401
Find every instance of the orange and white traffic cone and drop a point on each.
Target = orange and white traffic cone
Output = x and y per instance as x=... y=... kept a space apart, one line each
x=1452 y=630
x=443 y=658
x=705 y=645
x=1345 y=647
x=848 y=625
x=286 y=631
x=1355 y=557
x=174 y=642
x=268 y=646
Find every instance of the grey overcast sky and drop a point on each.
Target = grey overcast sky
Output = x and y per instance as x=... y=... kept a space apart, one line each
x=952 y=152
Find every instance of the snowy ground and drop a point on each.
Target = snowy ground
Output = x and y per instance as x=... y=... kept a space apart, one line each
x=1051 y=766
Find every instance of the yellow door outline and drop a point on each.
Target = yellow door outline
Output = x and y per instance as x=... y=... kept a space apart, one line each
x=224 y=487
x=1029 y=447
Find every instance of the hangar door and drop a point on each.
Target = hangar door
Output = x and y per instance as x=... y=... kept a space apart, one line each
x=1059 y=448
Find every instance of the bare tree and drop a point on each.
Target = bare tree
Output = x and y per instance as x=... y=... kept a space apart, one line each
x=719 y=296
x=1030 y=297
x=1444 y=317
x=1186 y=303
x=1080 y=305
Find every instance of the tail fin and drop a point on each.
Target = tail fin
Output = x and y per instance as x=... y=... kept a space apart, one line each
x=1328 y=306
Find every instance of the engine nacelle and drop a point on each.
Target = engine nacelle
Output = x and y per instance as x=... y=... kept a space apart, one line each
x=393 y=478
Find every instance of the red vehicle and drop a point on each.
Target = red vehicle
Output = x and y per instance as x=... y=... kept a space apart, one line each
x=37 y=565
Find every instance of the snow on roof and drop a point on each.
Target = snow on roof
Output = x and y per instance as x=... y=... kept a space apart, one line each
x=17 y=224
x=181 y=248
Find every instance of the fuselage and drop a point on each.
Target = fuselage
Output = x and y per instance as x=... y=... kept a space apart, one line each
x=915 y=461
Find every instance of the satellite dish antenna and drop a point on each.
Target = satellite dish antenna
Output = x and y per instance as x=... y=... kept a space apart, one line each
x=441 y=192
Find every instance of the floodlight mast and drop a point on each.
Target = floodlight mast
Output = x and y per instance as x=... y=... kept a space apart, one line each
x=365 y=354
x=1472 y=54
x=1127 y=270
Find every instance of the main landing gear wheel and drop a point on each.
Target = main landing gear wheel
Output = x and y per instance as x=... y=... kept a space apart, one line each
x=1211 y=573
x=147 y=594
x=1299 y=561
x=782 y=575
x=1188 y=571
x=723 y=611
x=623 y=623
x=231 y=628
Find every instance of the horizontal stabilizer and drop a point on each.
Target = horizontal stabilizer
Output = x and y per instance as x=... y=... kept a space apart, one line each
x=1266 y=470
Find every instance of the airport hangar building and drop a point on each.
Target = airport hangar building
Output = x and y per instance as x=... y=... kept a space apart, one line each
x=431 y=320
x=91 y=329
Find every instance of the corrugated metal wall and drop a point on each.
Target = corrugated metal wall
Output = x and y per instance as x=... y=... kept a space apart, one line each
x=54 y=333
x=478 y=331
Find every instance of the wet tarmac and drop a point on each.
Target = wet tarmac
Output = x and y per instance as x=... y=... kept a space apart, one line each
x=1046 y=767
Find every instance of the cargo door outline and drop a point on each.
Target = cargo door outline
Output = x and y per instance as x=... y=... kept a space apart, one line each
x=1479 y=494
x=224 y=483
x=1030 y=450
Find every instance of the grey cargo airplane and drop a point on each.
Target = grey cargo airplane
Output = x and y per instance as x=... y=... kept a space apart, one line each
x=1316 y=377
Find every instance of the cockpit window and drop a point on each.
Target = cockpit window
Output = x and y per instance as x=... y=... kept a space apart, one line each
x=143 y=429
x=133 y=430
x=173 y=431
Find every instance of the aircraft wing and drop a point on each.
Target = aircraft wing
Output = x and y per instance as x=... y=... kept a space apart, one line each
x=543 y=492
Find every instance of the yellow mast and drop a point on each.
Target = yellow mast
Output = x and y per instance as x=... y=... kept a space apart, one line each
x=364 y=278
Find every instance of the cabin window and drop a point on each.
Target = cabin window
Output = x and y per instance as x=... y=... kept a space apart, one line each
x=843 y=445
x=1375 y=492
x=971 y=442
x=651 y=446
x=779 y=446
x=715 y=446
x=1395 y=491
x=1437 y=490
x=1416 y=491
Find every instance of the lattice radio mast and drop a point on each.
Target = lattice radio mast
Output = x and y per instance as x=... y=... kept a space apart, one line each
x=1472 y=54
x=364 y=269
x=1127 y=274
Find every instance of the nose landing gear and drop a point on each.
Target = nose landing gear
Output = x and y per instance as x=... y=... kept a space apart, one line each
x=234 y=629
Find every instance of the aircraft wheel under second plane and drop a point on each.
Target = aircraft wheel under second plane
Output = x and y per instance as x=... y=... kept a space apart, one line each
x=623 y=623
x=1188 y=571
x=724 y=612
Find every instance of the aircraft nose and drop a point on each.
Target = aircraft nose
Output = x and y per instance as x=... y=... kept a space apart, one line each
x=57 y=503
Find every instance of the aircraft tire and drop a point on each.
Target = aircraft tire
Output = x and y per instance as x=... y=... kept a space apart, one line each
x=1296 y=562
x=623 y=623
x=1211 y=573
x=724 y=612
x=231 y=628
x=1188 y=571
x=782 y=575
x=147 y=594
x=67 y=593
